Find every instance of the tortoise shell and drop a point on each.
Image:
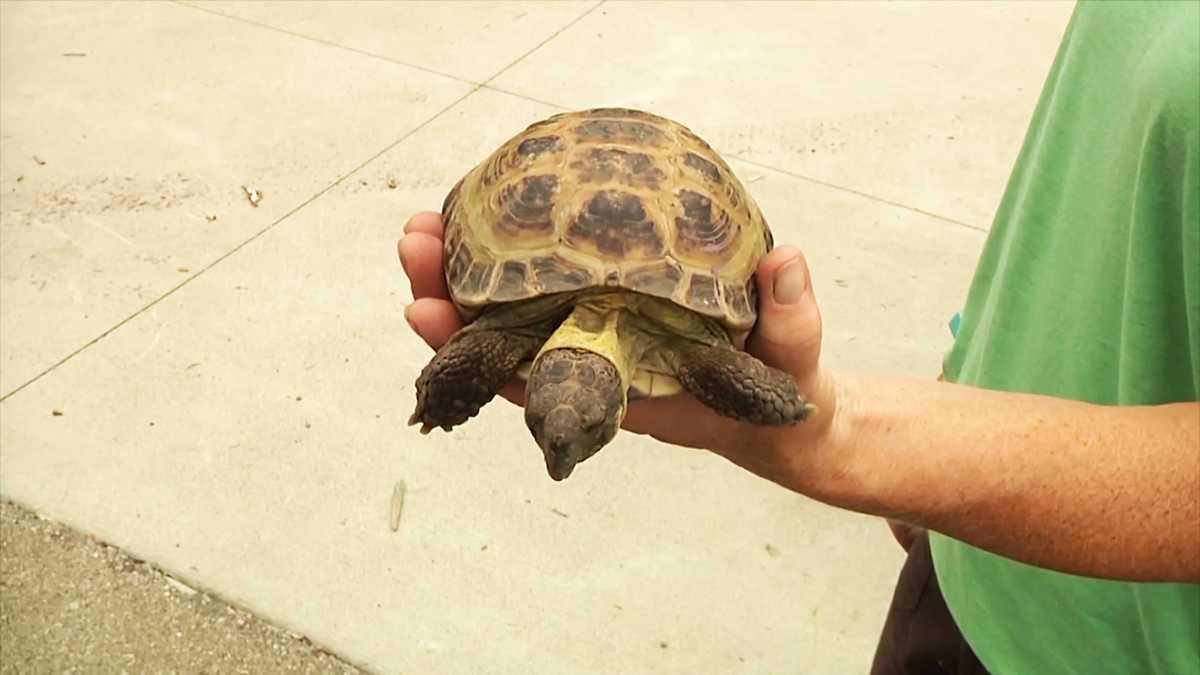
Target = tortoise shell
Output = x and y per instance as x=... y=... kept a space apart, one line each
x=606 y=198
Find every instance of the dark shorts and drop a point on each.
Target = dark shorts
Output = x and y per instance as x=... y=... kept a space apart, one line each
x=919 y=637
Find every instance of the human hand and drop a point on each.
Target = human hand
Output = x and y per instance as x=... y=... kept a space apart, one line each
x=787 y=336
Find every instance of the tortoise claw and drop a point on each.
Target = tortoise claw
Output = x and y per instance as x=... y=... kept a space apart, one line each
x=426 y=427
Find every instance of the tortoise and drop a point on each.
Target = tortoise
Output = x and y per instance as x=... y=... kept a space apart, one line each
x=602 y=255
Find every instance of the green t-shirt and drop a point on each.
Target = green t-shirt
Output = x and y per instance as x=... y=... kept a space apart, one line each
x=1089 y=289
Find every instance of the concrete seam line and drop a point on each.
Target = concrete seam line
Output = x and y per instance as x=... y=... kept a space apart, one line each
x=171 y=291
x=327 y=43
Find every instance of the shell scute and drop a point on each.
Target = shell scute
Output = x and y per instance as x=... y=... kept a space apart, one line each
x=737 y=301
x=526 y=205
x=554 y=274
x=470 y=273
x=702 y=295
x=704 y=230
x=625 y=132
x=660 y=279
x=513 y=283
x=615 y=225
x=627 y=167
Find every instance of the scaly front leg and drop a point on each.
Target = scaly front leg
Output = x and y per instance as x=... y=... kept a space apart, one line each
x=466 y=373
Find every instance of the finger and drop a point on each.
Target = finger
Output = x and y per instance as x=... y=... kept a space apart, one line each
x=421 y=258
x=434 y=320
x=425 y=222
x=788 y=332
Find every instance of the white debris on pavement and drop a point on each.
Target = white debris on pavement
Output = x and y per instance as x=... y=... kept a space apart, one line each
x=397 y=505
x=252 y=195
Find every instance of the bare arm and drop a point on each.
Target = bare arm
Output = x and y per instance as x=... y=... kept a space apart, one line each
x=1094 y=490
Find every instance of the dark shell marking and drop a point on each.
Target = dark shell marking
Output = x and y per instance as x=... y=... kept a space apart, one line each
x=705 y=167
x=513 y=156
x=526 y=206
x=532 y=147
x=631 y=169
x=626 y=113
x=704 y=227
x=620 y=131
x=615 y=224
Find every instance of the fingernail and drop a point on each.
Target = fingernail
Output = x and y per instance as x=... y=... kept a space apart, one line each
x=790 y=282
x=407 y=318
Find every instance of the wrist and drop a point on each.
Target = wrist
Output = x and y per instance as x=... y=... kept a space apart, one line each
x=824 y=451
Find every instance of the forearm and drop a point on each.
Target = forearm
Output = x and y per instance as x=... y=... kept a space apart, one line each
x=1095 y=490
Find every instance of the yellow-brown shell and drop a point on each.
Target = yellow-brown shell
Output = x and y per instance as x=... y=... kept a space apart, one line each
x=606 y=198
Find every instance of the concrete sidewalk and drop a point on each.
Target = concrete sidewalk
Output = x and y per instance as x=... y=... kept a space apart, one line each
x=221 y=388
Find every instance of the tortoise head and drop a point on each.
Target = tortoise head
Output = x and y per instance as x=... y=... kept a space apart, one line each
x=574 y=405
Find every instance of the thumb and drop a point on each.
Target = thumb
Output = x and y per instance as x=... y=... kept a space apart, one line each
x=788 y=333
